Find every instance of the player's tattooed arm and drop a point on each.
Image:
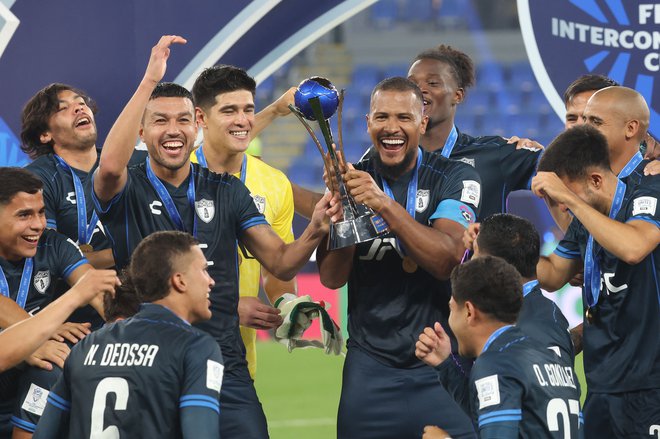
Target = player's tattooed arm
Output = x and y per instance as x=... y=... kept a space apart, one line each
x=111 y=175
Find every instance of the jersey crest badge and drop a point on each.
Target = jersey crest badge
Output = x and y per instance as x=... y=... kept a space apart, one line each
x=422 y=200
x=205 y=210
x=35 y=400
x=468 y=161
x=260 y=202
x=41 y=281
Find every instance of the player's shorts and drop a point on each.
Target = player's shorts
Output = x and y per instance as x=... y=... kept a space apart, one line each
x=241 y=414
x=33 y=388
x=622 y=415
x=380 y=401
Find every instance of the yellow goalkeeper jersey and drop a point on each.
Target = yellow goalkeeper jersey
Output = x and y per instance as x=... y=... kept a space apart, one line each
x=271 y=191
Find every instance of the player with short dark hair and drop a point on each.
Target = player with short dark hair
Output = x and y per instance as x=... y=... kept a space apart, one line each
x=224 y=106
x=516 y=388
x=397 y=283
x=577 y=95
x=444 y=74
x=152 y=375
x=615 y=232
x=516 y=240
x=167 y=192
x=32 y=259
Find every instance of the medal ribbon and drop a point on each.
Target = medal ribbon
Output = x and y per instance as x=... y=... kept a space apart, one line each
x=166 y=198
x=412 y=193
x=85 y=231
x=24 y=287
x=631 y=165
x=450 y=142
x=591 y=267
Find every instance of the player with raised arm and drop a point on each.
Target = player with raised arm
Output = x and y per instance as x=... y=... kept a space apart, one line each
x=517 y=388
x=152 y=375
x=397 y=283
x=615 y=232
x=167 y=192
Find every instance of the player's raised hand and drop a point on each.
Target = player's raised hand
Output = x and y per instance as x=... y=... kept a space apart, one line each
x=524 y=143
x=281 y=105
x=434 y=432
x=433 y=346
x=549 y=185
x=253 y=313
x=50 y=352
x=323 y=211
x=72 y=332
x=94 y=283
x=470 y=235
x=364 y=190
x=158 y=60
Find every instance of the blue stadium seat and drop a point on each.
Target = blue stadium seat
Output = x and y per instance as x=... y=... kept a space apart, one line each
x=538 y=102
x=490 y=75
x=364 y=78
x=521 y=76
x=400 y=69
x=418 y=11
x=384 y=12
x=476 y=101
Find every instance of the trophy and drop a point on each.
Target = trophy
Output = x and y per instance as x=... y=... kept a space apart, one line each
x=316 y=99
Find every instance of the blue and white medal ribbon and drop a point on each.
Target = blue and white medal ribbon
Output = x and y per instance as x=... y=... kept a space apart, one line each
x=24 y=287
x=409 y=265
x=450 y=142
x=591 y=267
x=631 y=165
x=85 y=231
x=167 y=199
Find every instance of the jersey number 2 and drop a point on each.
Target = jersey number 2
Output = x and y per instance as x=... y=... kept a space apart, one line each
x=557 y=408
x=118 y=386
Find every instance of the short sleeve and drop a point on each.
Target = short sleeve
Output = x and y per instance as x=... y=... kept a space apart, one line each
x=199 y=403
x=497 y=394
x=54 y=422
x=67 y=256
x=643 y=206
x=569 y=246
x=518 y=165
x=460 y=194
x=33 y=391
x=246 y=212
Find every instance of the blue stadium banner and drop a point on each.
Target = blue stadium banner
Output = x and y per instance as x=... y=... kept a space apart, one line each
x=103 y=47
x=617 y=38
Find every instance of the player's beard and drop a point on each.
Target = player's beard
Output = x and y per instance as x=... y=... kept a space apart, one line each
x=393 y=172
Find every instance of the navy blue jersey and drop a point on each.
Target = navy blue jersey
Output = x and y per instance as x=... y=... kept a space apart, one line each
x=543 y=321
x=622 y=347
x=502 y=168
x=519 y=387
x=56 y=258
x=152 y=375
x=33 y=388
x=223 y=210
x=388 y=307
x=60 y=198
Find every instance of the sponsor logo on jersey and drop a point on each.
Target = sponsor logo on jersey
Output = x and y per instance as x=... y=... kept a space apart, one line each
x=35 y=400
x=205 y=210
x=488 y=390
x=153 y=207
x=41 y=281
x=471 y=192
x=422 y=200
x=260 y=202
x=71 y=197
x=644 y=206
x=214 y=372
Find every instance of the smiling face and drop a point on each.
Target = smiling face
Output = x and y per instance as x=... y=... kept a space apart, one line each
x=22 y=222
x=395 y=124
x=169 y=131
x=199 y=283
x=228 y=123
x=575 y=108
x=439 y=87
x=72 y=126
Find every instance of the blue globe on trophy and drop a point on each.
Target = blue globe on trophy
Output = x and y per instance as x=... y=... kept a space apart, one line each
x=316 y=87
x=316 y=99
